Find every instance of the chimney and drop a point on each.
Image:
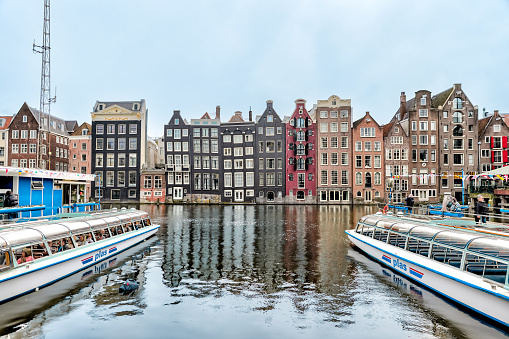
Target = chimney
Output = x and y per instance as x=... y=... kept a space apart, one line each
x=218 y=112
x=269 y=104
x=495 y=112
x=402 y=105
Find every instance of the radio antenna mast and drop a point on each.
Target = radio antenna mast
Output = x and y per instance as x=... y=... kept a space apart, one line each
x=45 y=98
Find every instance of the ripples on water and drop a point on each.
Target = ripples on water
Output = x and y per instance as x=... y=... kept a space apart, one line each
x=244 y=272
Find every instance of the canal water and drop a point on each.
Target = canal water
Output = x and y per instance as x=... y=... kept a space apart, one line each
x=242 y=272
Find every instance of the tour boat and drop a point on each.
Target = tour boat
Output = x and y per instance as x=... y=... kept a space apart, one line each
x=455 y=258
x=37 y=253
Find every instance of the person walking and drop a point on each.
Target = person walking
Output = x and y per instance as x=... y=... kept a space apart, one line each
x=410 y=202
x=10 y=201
x=481 y=210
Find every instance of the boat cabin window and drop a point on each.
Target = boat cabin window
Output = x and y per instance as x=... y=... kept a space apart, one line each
x=491 y=246
x=367 y=230
x=381 y=234
x=120 y=230
x=30 y=252
x=113 y=231
x=5 y=259
x=446 y=255
x=396 y=239
x=84 y=238
x=60 y=245
x=486 y=268
x=418 y=246
x=146 y=222
x=101 y=234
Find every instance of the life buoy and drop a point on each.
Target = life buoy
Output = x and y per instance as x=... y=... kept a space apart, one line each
x=386 y=208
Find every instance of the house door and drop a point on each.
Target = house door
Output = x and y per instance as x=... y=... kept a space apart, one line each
x=368 y=195
x=239 y=195
x=178 y=193
x=270 y=196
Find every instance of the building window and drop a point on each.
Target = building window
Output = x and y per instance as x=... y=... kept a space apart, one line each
x=457 y=103
x=110 y=144
x=133 y=129
x=457 y=117
x=99 y=144
x=99 y=129
x=133 y=143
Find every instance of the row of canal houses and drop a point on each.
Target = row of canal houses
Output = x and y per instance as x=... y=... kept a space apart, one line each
x=431 y=146
x=317 y=154
x=303 y=158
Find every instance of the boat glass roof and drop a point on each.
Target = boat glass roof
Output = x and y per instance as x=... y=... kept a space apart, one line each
x=52 y=230
x=454 y=238
x=491 y=246
x=402 y=227
x=385 y=223
x=112 y=220
x=425 y=232
x=76 y=226
x=21 y=236
x=371 y=220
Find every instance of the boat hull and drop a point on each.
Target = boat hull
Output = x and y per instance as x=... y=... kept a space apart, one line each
x=466 y=289
x=33 y=276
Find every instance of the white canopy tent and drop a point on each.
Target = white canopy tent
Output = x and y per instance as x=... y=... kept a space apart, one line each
x=500 y=171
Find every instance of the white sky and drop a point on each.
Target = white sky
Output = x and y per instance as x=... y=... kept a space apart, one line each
x=194 y=55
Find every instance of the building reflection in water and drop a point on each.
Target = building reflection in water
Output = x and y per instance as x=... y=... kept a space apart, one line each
x=263 y=249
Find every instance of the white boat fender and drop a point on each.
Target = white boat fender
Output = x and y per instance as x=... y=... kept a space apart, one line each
x=129 y=286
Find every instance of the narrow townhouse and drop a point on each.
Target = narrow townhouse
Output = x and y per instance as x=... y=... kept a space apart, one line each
x=270 y=157
x=334 y=136
x=369 y=183
x=301 y=155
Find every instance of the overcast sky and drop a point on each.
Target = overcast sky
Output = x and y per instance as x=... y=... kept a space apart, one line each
x=194 y=55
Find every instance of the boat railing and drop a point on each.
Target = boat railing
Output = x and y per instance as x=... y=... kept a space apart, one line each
x=496 y=214
x=80 y=207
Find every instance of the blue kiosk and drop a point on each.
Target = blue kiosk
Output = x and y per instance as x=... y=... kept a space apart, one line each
x=44 y=192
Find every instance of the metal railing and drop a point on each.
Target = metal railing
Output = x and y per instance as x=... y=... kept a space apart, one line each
x=495 y=214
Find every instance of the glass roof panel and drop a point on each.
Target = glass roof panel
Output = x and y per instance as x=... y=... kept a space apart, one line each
x=21 y=236
x=52 y=230
x=497 y=247
x=402 y=227
x=424 y=232
x=453 y=238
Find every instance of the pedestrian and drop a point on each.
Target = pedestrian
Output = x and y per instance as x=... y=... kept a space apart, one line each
x=481 y=210
x=10 y=201
x=410 y=202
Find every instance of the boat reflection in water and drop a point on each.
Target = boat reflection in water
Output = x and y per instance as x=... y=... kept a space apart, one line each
x=78 y=286
x=444 y=313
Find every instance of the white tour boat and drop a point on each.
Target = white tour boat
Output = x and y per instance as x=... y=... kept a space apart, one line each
x=35 y=254
x=455 y=258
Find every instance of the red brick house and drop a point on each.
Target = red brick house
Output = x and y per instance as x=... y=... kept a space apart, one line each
x=27 y=146
x=368 y=161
